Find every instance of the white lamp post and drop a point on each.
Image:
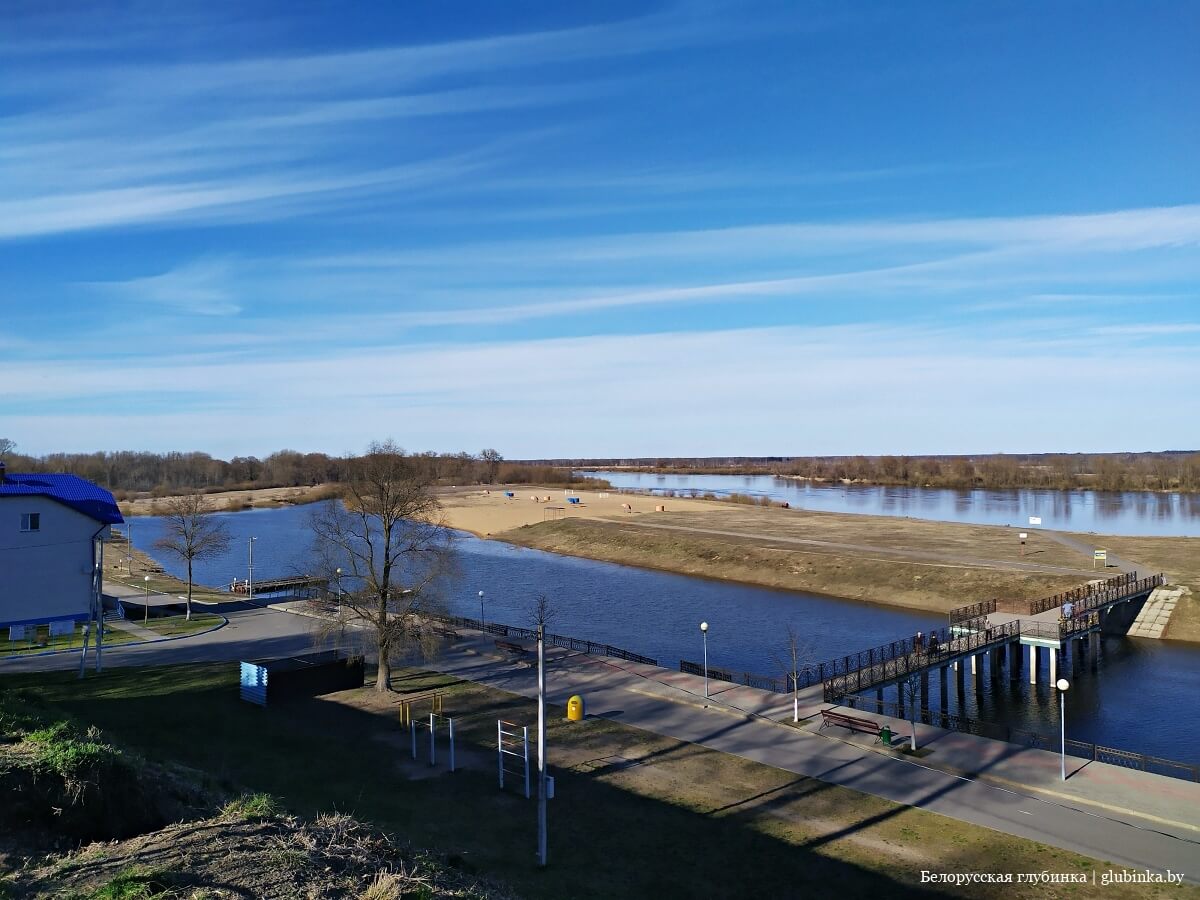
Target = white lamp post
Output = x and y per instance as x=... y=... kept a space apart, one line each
x=146 y=608
x=250 y=580
x=337 y=574
x=481 y=620
x=1063 y=685
x=704 y=634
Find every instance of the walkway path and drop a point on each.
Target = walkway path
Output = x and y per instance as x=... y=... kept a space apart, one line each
x=1129 y=818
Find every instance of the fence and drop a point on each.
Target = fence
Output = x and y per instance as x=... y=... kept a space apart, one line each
x=974 y=611
x=554 y=640
x=779 y=684
x=900 y=658
x=1082 y=749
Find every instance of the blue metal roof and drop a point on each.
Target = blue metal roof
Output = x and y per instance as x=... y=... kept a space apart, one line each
x=69 y=490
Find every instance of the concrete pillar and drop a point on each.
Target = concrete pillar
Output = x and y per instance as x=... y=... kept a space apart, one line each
x=1033 y=664
x=1014 y=661
x=942 y=683
x=1053 y=666
x=974 y=669
x=925 y=690
x=996 y=663
x=879 y=700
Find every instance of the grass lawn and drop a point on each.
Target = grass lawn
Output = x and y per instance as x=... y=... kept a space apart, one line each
x=636 y=815
x=175 y=626
x=42 y=641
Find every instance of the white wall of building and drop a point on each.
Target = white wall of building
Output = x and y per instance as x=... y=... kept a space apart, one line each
x=45 y=574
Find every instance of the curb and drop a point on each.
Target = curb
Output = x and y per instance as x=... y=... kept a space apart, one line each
x=178 y=637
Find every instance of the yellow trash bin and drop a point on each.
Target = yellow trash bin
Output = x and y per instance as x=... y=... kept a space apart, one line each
x=575 y=709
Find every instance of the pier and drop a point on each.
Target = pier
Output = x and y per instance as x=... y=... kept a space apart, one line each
x=994 y=635
x=296 y=585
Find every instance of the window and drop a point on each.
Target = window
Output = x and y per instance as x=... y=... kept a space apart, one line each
x=31 y=521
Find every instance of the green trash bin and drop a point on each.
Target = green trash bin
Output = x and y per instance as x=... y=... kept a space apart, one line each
x=885 y=735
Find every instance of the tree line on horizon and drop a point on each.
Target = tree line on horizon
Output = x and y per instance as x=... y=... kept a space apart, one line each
x=1158 y=471
x=130 y=472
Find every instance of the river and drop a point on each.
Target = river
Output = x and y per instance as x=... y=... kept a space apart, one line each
x=1104 y=512
x=1142 y=697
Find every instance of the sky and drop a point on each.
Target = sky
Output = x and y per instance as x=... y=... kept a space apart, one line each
x=612 y=229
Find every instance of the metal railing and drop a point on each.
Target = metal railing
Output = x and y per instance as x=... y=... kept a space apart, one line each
x=779 y=684
x=1114 y=587
x=556 y=640
x=1083 y=749
x=896 y=665
x=974 y=611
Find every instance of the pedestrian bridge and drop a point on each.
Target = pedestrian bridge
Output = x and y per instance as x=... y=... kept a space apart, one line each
x=994 y=633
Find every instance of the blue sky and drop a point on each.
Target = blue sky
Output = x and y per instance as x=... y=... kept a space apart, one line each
x=600 y=229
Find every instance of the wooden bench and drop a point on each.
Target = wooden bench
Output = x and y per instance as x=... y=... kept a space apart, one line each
x=515 y=649
x=854 y=723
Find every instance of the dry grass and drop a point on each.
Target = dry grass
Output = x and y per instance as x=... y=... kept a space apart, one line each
x=1179 y=557
x=923 y=583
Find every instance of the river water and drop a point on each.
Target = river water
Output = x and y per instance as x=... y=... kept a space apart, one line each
x=1141 y=698
x=1103 y=512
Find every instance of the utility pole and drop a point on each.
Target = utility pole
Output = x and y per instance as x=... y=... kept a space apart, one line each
x=541 y=743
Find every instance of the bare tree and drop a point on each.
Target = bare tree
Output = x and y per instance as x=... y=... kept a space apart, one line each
x=491 y=464
x=796 y=651
x=910 y=695
x=6 y=447
x=388 y=536
x=192 y=533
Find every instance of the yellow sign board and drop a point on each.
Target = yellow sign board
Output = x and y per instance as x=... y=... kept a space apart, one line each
x=1100 y=554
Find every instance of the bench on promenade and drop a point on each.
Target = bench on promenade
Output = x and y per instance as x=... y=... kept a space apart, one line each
x=854 y=723
x=514 y=649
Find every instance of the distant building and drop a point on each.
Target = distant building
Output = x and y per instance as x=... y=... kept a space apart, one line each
x=52 y=533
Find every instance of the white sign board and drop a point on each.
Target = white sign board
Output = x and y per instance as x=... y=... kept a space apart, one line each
x=1024 y=535
x=1035 y=520
x=1100 y=554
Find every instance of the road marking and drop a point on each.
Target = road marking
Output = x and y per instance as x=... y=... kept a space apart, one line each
x=1024 y=812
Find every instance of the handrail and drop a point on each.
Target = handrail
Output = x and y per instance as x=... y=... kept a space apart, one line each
x=916 y=659
x=579 y=645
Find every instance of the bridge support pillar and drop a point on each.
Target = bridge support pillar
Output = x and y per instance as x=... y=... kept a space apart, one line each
x=1033 y=664
x=879 y=700
x=925 y=696
x=1014 y=661
x=1053 y=666
x=942 y=685
x=974 y=664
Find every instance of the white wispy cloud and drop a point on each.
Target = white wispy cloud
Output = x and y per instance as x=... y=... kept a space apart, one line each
x=784 y=387
x=202 y=287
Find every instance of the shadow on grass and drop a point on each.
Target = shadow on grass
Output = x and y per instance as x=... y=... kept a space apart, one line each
x=322 y=756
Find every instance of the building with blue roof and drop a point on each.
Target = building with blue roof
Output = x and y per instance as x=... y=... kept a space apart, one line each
x=52 y=533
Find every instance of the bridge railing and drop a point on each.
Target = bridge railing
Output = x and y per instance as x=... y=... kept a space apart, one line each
x=1082 y=749
x=974 y=611
x=918 y=659
x=1082 y=594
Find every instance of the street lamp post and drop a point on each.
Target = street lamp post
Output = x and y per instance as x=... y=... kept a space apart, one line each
x=250 y=580
x=481 y=619
x=146 y=607
x=704 y=634
x=1063 y=685
x=337 y=574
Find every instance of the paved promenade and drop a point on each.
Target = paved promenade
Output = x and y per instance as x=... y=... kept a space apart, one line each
x=1128 y=818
